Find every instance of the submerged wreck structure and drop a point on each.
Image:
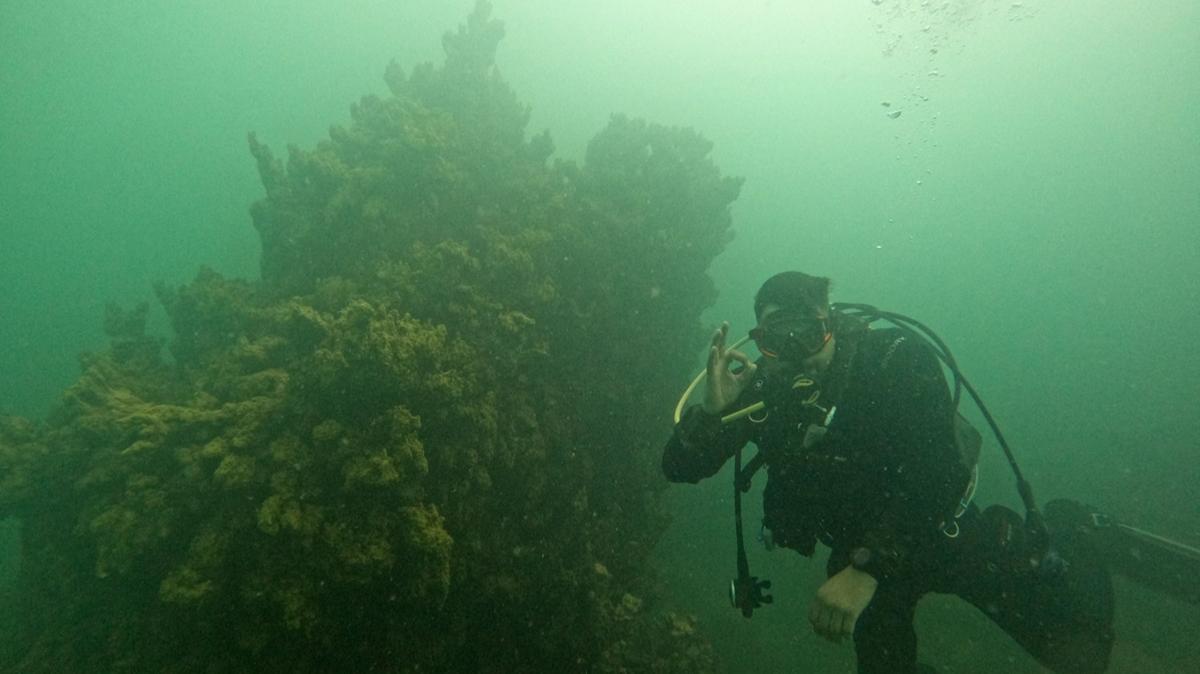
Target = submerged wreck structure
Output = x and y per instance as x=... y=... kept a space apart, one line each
x=425 y=440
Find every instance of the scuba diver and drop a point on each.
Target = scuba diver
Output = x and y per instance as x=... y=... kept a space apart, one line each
x=866 y=453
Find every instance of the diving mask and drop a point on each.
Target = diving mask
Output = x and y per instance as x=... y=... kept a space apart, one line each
x=791 y=336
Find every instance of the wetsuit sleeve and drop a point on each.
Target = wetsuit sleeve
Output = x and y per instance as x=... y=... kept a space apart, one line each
x=925 y=476
x=701 y=444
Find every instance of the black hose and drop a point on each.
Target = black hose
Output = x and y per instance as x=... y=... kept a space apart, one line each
x=743 y=566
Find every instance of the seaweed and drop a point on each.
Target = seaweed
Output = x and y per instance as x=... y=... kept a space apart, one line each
x=424 y=440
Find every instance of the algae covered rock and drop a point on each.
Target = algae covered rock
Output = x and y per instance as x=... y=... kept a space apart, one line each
x=426 y=439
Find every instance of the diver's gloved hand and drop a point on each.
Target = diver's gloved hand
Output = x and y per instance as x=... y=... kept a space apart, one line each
x=723 y=385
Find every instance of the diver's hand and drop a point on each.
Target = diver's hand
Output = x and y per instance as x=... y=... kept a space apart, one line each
x=840 y=601
x=723 y=385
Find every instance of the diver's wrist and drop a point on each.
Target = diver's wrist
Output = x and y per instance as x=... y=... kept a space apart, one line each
x=874 y=562
x=865 y=560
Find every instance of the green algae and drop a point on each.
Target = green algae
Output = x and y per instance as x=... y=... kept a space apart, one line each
x=424 y=440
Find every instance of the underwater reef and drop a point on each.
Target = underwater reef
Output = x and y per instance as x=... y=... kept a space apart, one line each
x=425 y=440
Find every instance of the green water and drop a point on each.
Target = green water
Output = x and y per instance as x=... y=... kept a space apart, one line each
x=1037 y=200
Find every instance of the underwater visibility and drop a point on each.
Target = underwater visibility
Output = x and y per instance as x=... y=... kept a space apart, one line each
x=553 y=352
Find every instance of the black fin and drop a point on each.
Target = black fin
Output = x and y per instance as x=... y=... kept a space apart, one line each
x=1155 y=561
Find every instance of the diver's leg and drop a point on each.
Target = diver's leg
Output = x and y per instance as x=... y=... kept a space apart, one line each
x=1150 y=559
x=884 y=639
x=1064 y=620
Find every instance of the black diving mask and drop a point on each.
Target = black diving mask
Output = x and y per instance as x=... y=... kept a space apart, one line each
x=790 y=336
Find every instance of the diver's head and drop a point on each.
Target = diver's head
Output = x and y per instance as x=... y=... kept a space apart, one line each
x=793 y=328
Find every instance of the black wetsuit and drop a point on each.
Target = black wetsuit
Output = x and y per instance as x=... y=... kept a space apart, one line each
x=886 y=475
